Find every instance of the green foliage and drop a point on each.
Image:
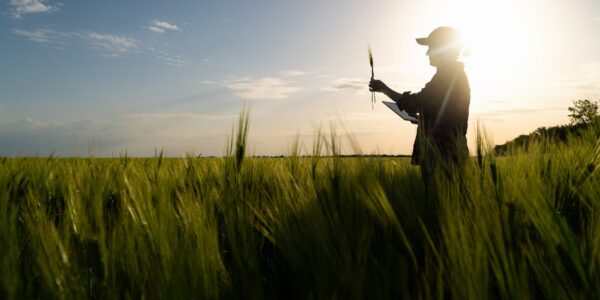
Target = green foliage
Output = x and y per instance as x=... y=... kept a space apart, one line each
x=555 y=134
x=584 y=119
x=521 y=226
x=584 y=112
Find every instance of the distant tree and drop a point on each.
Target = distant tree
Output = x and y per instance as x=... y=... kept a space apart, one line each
x=541 y=131
x=583 y=111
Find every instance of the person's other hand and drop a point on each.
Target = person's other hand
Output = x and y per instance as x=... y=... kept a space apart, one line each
x=377 y=86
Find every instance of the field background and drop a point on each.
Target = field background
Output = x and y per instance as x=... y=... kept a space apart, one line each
x=525 y=225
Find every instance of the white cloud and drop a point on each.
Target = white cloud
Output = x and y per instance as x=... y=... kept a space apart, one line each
x=155 y=29
x=320 y=73
x=46 y=36
x=348 y=85
x=293 y=73
x=22 y=7
x=162 y=26
x=257 y=89
x=261 y=88
x=114 y=44
x=38 y=36
x=165 y=25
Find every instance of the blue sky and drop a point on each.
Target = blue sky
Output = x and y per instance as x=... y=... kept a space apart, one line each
x=110 y=76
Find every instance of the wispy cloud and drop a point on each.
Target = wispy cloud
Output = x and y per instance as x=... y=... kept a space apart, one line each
x=44 y=36
x=39 y=36
x=293 y=73
x=263 y=88
x=23 y=7
x=113 y=44
x=162 y=26
x=109 y=43
x=320 y=73
x=166 y=25
x=590 y=87
x=348 y=85
x=258 y=89
x=175 y=60
x=502 y=115
x=354 y=116
x=590 y=77
x=505 y=112
x=583 y=80
x=155 y=29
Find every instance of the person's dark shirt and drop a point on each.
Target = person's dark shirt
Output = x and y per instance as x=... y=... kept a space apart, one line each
x=443 y=109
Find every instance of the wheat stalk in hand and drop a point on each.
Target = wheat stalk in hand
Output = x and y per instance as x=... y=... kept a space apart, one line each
x=373 y=99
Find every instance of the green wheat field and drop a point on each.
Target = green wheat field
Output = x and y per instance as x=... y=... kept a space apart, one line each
x=318 y=226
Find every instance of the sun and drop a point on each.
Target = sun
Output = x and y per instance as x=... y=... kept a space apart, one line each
x=501 y=46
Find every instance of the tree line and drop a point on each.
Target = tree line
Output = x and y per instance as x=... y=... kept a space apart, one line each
x=583 y=114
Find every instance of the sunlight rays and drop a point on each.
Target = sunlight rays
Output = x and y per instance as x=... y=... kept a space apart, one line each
x=501 y=45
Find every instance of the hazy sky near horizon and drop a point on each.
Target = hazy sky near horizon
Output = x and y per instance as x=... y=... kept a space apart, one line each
x=115 y=76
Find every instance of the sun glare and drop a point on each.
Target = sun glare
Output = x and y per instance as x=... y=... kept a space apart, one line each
x=500 y=39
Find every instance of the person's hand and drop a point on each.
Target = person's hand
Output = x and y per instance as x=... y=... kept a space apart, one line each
x=377 y=86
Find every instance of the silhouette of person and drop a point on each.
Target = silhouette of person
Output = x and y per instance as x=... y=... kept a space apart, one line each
x=442 y=106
